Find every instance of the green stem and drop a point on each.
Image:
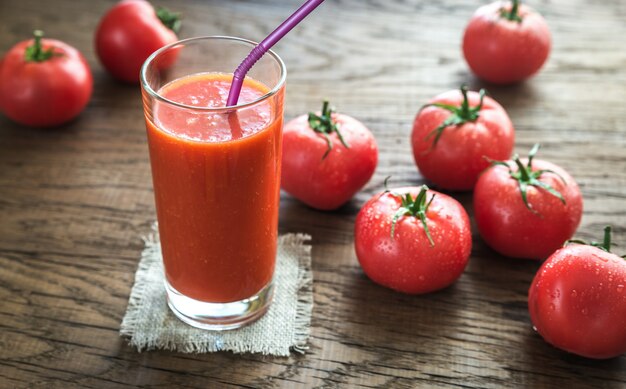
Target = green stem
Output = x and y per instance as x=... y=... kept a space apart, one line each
x=526 y=176
x=325 y=125
x=325 y=111
x=465 y=112
x=513 y=14
x=607 y=238
x=532 y=153
x=38 y=34
x=35 y=52
x=416 y=208
x=171 y=20
x=524 y=173
x=605 y=245
x=459 y=114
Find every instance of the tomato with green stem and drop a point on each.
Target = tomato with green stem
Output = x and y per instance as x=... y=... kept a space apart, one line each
x=456 y=134
x=506 y=42
x=413 y=240
x=129 y=32
x=327 y=158
x=526 y=208
x=577 y=300
x=44 y=82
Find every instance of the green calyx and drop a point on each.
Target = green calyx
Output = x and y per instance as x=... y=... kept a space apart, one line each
x=605 y=245
x=171 y=20
x=35 y=52
x=412 y=207
x=459 y=115
x=325 y=125
x=526 y=177
x=513 y=14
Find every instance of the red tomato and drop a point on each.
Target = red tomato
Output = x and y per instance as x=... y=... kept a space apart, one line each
x=455 y=133
x=577 y=301
x=425 y=250
x=534 y=226
x=504 y=44
x=44 y=82
x=1 y=62
x=327 y=158
x=129 y=33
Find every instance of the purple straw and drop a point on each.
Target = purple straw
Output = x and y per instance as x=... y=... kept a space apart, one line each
x=240 y=73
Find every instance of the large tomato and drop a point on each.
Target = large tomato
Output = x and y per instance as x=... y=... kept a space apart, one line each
x=526 y=208
x=456 y=134
x=327 y=158
x=577 y=301
x=413 y=240
x=506 y=42
x=44 y=82
x=129 y=33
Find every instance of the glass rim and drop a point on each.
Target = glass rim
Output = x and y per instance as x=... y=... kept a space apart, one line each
x=157 y=96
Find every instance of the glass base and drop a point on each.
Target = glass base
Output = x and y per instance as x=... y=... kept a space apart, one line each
x=219 y=316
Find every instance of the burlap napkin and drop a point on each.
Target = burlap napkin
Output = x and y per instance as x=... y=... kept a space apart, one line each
x=284 y=328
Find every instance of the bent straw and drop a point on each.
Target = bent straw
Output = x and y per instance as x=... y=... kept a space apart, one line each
x=240 y=73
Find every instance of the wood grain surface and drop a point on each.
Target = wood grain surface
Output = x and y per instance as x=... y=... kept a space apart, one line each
x=75 y=201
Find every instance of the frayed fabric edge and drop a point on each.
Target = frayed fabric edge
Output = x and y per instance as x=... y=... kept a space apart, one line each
x=303 y=311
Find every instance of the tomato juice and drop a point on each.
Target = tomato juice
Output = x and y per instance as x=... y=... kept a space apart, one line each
x=216 y=175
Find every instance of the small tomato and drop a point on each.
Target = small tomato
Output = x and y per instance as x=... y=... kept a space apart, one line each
x=413 y=240
x=577 y=300
x=526 y=208
x=456 y=134
x=506 y=43
x=129 y=32
x=327 y=158
x=44 y=82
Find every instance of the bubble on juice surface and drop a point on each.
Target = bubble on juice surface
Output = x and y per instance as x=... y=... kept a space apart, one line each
x=210 y=90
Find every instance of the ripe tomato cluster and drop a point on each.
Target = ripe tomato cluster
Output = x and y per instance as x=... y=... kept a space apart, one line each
x=417 y=240
x=53 y=78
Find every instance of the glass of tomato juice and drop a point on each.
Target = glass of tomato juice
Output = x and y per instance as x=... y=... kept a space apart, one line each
x=216 y=176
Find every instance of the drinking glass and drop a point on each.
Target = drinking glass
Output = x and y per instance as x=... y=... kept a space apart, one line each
x=216 y=177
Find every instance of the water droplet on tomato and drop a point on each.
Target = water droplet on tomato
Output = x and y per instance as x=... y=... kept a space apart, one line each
x=552 y=307
x=574 y=293
x=584 y=311
x=620 y=288
x=534 y=328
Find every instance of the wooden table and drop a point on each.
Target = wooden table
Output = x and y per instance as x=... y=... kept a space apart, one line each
x=75 y=201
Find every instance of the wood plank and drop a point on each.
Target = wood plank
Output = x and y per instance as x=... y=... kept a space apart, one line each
x=75 y=201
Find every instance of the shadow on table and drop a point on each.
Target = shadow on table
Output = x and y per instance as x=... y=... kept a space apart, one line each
x=480 y=324
x=515 y=98
x=550 y=365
